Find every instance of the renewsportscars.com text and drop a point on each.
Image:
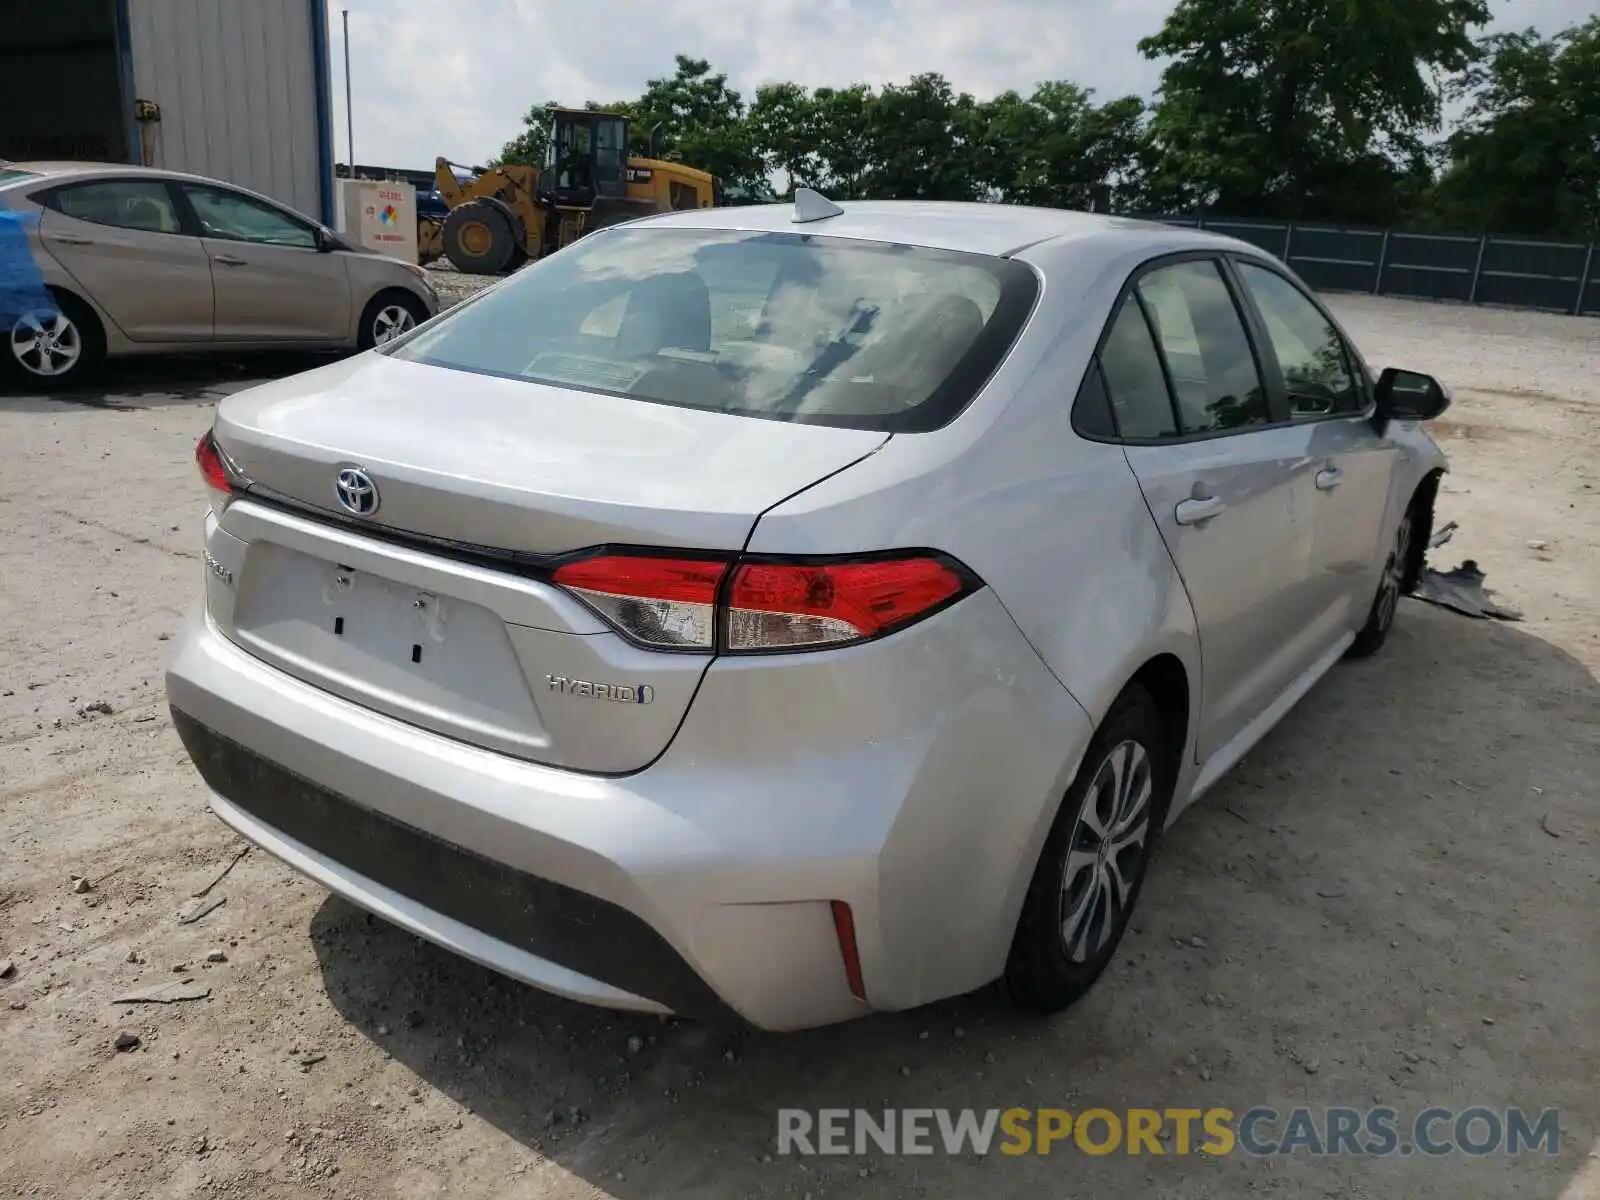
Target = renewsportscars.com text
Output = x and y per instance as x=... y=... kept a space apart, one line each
x=1260 y=1131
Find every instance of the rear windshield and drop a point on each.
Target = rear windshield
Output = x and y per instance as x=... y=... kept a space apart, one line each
x=790 y=327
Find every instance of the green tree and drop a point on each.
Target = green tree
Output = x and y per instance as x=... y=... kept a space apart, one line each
x=1301 y=108
x=529 y=145
x=842 y=120
x=702 y=122
x=783 y=131
x=923 y=143
x=1526 y=158
x=1058 y=149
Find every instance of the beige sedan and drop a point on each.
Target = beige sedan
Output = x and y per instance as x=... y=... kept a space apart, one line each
x=104 y=260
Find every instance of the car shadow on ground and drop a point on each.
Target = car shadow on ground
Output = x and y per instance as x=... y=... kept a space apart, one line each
x=135 y=384
x=1348 y=845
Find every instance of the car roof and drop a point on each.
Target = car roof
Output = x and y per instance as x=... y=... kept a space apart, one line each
x=978 y=228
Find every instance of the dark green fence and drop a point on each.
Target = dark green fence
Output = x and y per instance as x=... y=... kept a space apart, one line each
x=1515 y=271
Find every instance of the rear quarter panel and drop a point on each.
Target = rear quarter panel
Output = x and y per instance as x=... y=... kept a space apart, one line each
x=1054 y=524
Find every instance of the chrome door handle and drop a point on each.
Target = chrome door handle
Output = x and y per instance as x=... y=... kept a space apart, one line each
x=229 y=260
x=1201 y=508
x=1328 y=479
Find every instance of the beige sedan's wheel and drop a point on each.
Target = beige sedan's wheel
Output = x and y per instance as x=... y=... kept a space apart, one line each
x=46 y=344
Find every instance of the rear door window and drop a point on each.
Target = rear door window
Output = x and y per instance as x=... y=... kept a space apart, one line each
x=1202 y=337
x=791 y=327
x=139 y=204
x=1140 y=401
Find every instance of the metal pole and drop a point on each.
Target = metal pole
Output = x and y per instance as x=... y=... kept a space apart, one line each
x=349 y=116
x=1383 y=257
x=1483 y=244
x=1583 y=282
x=1288 y=240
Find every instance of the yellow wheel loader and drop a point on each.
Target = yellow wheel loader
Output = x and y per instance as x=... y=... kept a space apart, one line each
x=509 y=214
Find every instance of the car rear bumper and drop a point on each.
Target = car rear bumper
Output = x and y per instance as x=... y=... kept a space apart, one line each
x=703 y=883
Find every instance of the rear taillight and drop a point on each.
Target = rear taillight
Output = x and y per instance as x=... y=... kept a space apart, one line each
x=684 y=604
x=668 y=603
x=782 y=606
x=221 y=478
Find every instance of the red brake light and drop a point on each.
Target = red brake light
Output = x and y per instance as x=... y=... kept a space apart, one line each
x=669 y=603
x=778 y=606
x=678 y=603
x=210 y=462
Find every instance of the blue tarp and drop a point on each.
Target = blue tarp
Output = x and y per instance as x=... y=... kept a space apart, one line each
x=22 y=288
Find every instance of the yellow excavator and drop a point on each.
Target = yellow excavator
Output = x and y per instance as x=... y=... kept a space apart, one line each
x=503 y=216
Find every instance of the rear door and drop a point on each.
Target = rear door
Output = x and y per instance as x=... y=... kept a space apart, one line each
x=272 y=281
x=1219 y=470
x=1353 y=466
x=123 y=240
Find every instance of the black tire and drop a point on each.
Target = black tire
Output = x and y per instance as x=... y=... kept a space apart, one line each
x=1399 y=578
x=1050 y=966
x=380 y=319
x=86 y=336
x=479 y=238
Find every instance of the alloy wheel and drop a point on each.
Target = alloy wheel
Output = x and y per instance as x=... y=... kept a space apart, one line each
x=46 y=343
x=1104 y=856
x=390 y=322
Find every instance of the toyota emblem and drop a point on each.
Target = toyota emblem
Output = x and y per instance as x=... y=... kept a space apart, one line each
x=356 y=491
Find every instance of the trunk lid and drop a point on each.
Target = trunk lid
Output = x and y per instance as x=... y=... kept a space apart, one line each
x=449 y=642
x=524 y=466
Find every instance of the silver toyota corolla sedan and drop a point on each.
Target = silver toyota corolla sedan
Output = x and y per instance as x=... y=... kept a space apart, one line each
x=798 y=611
x=103 y=260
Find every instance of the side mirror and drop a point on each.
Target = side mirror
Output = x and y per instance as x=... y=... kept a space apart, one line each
x=1409 y=396
x=326 y=242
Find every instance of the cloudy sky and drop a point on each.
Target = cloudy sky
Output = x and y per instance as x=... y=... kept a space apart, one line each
x=453 y=77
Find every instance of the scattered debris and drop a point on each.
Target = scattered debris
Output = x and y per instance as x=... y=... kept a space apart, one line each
x=133 y=957
x=1462 y=590
x=1544 y=824
x=310 y=1060
x=7 y=969
x=1442 y=535
x=1538 y=544
x=171 y=992
x=1330 y=891
x=222 y=874
x=217 y=956
x=18 y=1005
x=126 y=1041
x=81 y=885
x=635 y=1044
x=99 y=706
x=194 y=909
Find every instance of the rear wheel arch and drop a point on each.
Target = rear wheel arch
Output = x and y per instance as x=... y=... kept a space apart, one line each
x=1166 y=679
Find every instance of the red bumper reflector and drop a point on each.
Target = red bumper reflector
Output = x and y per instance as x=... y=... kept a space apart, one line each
x=844 y=925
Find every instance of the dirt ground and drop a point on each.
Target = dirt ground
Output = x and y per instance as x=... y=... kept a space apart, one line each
x=1395 y=900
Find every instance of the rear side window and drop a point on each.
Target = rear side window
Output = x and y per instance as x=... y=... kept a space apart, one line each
x=786 y=326
x=141 y=204
x=1207 y=351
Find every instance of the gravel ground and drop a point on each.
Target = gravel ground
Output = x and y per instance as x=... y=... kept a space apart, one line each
x=1392 y=901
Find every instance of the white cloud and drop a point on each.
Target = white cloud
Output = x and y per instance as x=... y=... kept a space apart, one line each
x=454 y=77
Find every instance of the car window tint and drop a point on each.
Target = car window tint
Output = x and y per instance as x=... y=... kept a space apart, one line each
x=792 y=327
x=1207 y=350
x=1316 y=371
x=1140 y=400
x=141 y=204
x=241 y=219
x=1091 y=410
